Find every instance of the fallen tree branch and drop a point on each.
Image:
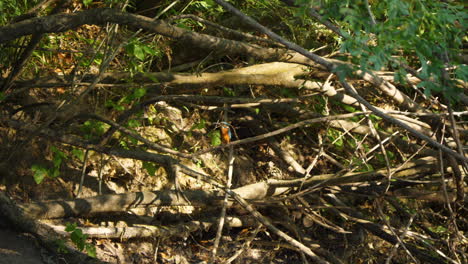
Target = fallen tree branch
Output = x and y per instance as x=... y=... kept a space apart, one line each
x=257 y=191
x=182 y=230
x=331 y=66
x=46 y=234
x=351 y=214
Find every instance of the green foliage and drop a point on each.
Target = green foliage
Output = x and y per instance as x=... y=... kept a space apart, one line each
x=40 y=172
x=93 y=129
x=334 y=136
x=439 y=229
x=208 y=6
x=140 y=50
x=133 y=123
x=78 y=153
x=200 y=125
x=431 y=32
x=360 y=165
x=150 y=167
x=10 y=9
x=381 y=158
x=124 y=101
x=61 y=247
x=349 y=108
x=140 y=55
x=79 y=239
x=87 y=2
x=151 y=113
x=215 y=138
x=13 y=8
x=229 y=91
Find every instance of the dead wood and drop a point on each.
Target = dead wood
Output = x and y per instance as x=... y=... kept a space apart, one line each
x=44 y=232
x=349 y=213
x=64 y=22
x=182 y=230
x=402 y=99
x=257 y=191
x=117 y=203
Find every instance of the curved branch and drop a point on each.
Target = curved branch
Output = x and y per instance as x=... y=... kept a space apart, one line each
x=101 y=16
x=332 y=68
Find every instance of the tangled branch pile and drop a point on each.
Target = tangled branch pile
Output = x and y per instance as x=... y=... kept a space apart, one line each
x=144 y=130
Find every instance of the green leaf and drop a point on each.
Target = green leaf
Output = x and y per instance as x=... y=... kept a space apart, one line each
x=87 y=2
x=78 y=153
x=57 y=160
x=54 y=173
x=61 y=248
x=69 y=227
x=39 y=173
x=90 y=250
x=139 y=52
x=118 y=107
x=461 y=72
x=349 y=108
x=153 y=52
x=343 y=71
x=228 y=91
x=139 y=92
x=400 y=76
x=150 y=167
x=199 y=125
x=132 y=123
x=215 y=138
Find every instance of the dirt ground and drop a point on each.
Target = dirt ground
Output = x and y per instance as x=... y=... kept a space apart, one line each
x=19 y=248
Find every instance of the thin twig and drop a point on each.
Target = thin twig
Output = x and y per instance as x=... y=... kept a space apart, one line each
x=279 y=131
x=83 y=172
x=332 y=67
x=245 y=245
x=222 y=217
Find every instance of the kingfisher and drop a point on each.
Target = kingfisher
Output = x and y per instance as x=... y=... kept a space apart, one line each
x=225 y=133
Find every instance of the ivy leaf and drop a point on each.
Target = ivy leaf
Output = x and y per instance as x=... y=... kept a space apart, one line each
x=78 y=238
x=39 y=173
x=70 y=227
x=59 y=156
x=78 y=153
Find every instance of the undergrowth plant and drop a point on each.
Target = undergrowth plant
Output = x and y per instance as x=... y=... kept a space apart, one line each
x=78 y=239
x=426 y=35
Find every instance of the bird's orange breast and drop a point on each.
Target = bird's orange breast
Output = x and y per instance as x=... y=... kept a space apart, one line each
x=225 y=135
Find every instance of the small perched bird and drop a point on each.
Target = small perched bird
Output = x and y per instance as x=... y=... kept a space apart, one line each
x=225 y=133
